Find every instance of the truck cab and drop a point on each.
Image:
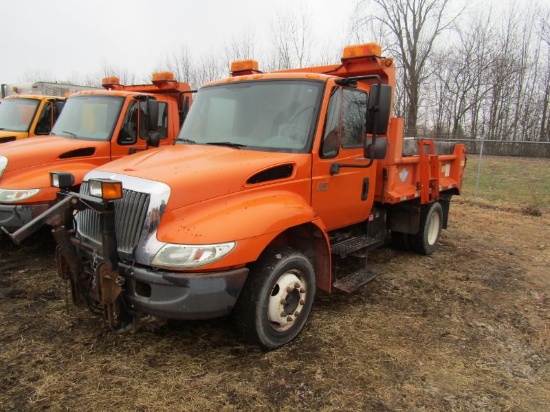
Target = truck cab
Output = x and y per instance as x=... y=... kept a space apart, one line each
x=28 y=115
x=95 y=127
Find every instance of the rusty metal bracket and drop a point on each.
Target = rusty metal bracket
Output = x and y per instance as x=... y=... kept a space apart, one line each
x=109 y=289
x=109 y=283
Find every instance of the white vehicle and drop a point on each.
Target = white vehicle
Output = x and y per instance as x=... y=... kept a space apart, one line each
x=42 y=88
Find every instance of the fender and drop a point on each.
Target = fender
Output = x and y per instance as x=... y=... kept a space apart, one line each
x=251 y=219
x=38 y=177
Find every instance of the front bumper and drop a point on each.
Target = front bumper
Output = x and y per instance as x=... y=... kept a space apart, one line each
x=13 y=217
x=177 y=295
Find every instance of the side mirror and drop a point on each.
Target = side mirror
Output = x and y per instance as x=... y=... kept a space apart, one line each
x=378 y=109
x=376 y=149
x=153 y=139
x=152 y=114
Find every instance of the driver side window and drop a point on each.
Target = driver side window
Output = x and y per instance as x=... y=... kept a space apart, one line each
x=44 y=125
x=345 y=121
x=353 y=118
x=331 y=135
x=129 y=130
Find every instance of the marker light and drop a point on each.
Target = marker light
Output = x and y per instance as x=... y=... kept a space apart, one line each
x=110 y=81
x=163 y=77
x=362 y=50
x=62 y=180
x=105 y=189
x=244 y=66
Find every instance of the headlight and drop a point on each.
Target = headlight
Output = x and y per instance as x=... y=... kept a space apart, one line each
x=14 y=196
x=61 y=180
x=172 y=256
x=3 y=164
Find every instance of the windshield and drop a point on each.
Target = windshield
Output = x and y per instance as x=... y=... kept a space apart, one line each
x=16 y=114
x=89 y=117
x=277 y=115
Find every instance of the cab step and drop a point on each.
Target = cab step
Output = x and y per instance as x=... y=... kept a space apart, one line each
x=355 y=280
x=354 y=244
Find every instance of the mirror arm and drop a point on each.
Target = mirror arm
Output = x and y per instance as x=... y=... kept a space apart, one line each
x=335 y=167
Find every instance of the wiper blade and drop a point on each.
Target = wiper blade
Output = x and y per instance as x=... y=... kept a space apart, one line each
x=228 y=144
x=186 y=141
x=69 y=133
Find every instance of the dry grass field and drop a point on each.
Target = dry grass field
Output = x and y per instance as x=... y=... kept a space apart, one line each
x=465 y=329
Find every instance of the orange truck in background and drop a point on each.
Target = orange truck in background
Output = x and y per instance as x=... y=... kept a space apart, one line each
x=95 y=127
x=273 y=180
x=31 y=110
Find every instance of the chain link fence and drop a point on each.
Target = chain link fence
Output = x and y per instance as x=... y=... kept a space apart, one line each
x=495 y=166
x=504 y=148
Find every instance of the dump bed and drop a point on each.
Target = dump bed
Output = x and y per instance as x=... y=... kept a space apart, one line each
x=418 y=168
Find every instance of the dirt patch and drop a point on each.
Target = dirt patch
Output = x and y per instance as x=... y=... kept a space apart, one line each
x=464 y=329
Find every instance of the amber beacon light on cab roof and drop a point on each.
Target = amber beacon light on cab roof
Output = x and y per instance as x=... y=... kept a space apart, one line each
x=274 y=178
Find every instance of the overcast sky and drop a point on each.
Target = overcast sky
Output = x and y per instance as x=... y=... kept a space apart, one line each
x=68 y=39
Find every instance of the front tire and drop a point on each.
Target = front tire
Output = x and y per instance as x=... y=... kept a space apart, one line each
x=276 y=300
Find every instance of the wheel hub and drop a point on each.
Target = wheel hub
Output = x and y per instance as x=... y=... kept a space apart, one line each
x=286 y=301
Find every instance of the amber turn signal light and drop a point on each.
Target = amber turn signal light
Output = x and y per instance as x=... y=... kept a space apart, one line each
x=105 y=189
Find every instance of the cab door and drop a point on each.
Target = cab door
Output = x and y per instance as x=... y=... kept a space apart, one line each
x=49 y=113
x=133 y=134
x=345 y=197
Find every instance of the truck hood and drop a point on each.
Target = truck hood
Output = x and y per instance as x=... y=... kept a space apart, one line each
x=198 y=173
x=23 y=154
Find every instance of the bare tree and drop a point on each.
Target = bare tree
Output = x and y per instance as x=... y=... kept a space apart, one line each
x=180 y=63
x=196 y=73
x=241 y=48
x=210 y=68
x=125 y=76
x=39 y=76
x=414 y=26
x=461 y=78
x=544 y=134
x=292 y=38
x=76 y=78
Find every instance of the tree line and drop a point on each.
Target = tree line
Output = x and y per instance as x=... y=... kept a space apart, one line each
x=468 y=72
x=463 y=70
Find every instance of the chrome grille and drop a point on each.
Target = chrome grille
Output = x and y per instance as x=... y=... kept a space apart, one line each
x=130 y=212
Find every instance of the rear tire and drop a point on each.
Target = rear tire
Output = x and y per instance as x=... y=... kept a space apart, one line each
x=277 y=298
x=431 y=220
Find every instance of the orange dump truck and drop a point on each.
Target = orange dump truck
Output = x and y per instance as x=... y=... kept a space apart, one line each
x=95 y=127
x=273 y=179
